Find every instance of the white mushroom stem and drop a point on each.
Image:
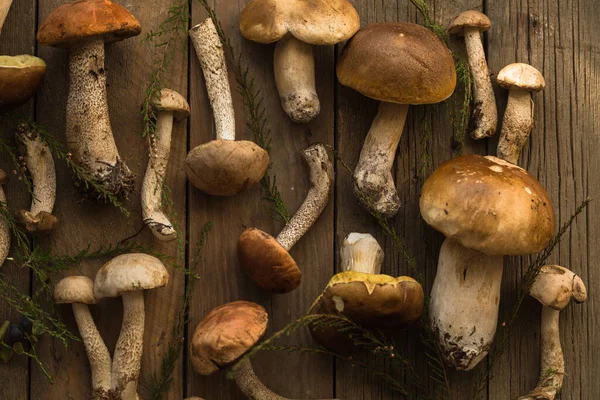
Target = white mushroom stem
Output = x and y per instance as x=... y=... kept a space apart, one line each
x=374 y=182
x=485 y=115
x=97 y=353
x=152 y=188
x=209 y=50
x=294 y=67
x=4 y=229
x=320 y=172
x=4 y=7
x=464 y=303
x=516 y=125
x=360 y=252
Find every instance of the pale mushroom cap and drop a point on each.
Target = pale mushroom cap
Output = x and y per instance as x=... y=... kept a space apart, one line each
x=555 y=286
x=469 y=19
x=129 y=273
x=398 y=62
x=170 y=100
x=75 y=289
x=226 y=334
x=318 y=22
x=488 y=205
x=20 y=77
x=522 y=76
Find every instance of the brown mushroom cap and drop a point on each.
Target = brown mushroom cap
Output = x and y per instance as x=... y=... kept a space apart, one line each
x=226 y=334
x=20 y=77
x=555 y=286
x=226 y=167
x=488 y=205
x=469 y=19
x=398 y=63
x=3 y=177
x=318 y=22
x=170 y=100
x=81 y=20
x=522 y=76
x=75 y=289
x=267 y=263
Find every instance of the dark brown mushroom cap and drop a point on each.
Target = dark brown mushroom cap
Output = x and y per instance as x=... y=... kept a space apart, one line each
x=226 y=167
x=20 y=77
x=469 y=19
x=398 y=63
x=267 y=263
x=328 y=336
x=80 y=20
x=522 y=76
x=488 y=205
x=318 y=22
x=226 y=334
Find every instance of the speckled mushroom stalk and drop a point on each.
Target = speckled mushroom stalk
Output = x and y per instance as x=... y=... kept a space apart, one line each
x=38 y=159
x=4 y=229
x=554 y=287
x=4 y=7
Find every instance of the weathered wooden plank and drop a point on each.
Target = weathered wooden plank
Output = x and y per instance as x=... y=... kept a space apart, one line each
x=84 y=223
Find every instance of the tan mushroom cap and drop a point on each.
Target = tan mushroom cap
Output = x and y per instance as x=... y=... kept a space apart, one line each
x=226 y=167
x=469 y=19
x=170 y=100
x=522 y=76
x=398 y=63
x=81 y=20
x=3 y=177
x=555 y=286
x=488 y=205
x=130 y=273
x=318 y=22
x=20 y=77
x=226 y=334
x=75 y=289
x=267 y=263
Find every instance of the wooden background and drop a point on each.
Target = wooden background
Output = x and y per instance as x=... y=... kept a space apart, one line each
x=558 y=37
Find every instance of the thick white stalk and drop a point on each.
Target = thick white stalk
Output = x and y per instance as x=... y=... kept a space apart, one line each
x=374 y=181
x=516 y=125
x=4 y=229
x=4 y=7
x=360 y=252
x=294 y=67
x=485 y=114
x=320 y=172
x=209 y=50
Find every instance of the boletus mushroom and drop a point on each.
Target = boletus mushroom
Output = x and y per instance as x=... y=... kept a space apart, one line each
x=521 y=80
x=170 y=106
x=83 y=27
x=20 y=77
x=487 y=208
x=128 y=275
x=266 y=259
x=222 y=167
x=4 y=228
x=471 y=24
x=297 y=25
x=554 y=287
x=398 y=64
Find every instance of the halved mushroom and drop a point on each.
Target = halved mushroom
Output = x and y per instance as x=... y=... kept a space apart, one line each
x=83 y=27
x=399 y=64
x=20 y=77
x=222 y=167
x=265 y=259
x=4 y=229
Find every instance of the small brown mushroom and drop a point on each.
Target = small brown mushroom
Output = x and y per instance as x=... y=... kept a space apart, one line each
x=4 y=228
x=4 y=7
x=265 y=259
x=20 y=77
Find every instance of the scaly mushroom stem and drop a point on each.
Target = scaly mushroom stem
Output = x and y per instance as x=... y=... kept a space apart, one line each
x=516 y=125
x=485 y=115
x=360 y=252
x=4 y=229
x=374 y=181
x=464 y=303
x=4 y=7
x=39 y=161
x=209 y=50
x=294 y=67
x=88 y=131
x=97 y=353
x=320 y=172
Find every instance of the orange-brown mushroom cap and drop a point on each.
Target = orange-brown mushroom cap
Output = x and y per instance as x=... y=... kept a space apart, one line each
x=267 y=263
x=20 y=77
x=80 y=20
x=469 y=19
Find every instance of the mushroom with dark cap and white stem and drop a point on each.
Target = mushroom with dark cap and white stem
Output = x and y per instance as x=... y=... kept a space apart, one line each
x=128 y=275
x=266 y=259
x=521 y=80
x=398 y=64
x=79 y=291
x=170 y=106
x=554 y=287
x=20 y=77
x=222 y=167
x=38 y=159
x=471 y=24
x=487 y=208
x=297 y=25
x=4 y=228
x=83 y=27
